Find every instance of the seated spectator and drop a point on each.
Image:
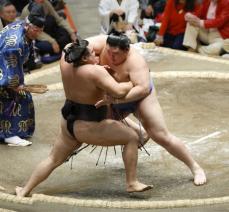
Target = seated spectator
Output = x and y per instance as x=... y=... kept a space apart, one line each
x=154 y=9
x=210 y=26
x=59 y=5
x=173 y=25
x=112 y=11
x=57 y=32
x=151 y=15
x=8 y=13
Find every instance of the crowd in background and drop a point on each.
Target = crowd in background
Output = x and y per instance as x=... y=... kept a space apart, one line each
x=195 y=25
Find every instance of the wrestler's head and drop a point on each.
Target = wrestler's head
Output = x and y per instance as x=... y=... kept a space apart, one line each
x=79 y=53
x=117 y=48
x=35 y=22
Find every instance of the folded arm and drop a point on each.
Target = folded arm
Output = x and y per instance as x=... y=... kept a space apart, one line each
x=107 y=83
x=139 y=76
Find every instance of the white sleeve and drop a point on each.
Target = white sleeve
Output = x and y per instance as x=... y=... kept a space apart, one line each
x=105 y=7
x=132 y=11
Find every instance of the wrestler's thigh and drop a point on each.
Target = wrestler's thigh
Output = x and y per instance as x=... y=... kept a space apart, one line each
x=105 y=133
x=64 y=145
x=151 y=114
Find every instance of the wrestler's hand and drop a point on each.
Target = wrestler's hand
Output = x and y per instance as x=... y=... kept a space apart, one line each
x=107 y=67
x=109 y=70
x=107 y=100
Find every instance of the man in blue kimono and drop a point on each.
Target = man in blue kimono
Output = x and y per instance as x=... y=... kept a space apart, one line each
x=17 y=118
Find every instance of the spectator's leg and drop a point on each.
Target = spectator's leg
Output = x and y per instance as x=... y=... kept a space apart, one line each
x=191 y=36
x=215 y=44
x=44 y=47
x=47 y=53
x=178 y=42
x=226 y=45
x=211 y=49
x=226 y=48
x=32 y=64
x=168 y=40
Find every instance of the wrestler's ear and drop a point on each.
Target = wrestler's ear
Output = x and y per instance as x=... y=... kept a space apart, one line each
x=84 y=59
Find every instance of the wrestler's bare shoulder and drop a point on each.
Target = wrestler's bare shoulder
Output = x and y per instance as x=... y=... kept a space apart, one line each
x=91 y=70
x=97 y=43
x=133 y=58
x=97 y=38
x=134 y=54
x=90 y=67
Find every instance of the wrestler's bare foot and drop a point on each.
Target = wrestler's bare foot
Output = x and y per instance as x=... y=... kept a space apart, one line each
x=137 y=187
x=19 y=191
x=199 y=175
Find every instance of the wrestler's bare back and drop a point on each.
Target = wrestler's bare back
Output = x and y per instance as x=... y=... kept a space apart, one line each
x=80 y=79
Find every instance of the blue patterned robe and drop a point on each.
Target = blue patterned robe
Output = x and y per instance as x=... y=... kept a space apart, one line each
x=17 y=116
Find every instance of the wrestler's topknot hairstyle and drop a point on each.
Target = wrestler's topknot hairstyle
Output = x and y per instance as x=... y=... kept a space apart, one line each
x=120 y=40
x=76 y=51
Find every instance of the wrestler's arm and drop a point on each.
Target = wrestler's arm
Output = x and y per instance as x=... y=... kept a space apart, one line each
x=140 y=77
x=106 y=82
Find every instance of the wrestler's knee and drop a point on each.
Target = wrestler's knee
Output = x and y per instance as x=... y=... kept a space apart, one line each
x=162 y=137
x=55 y=161
x=134 y=137
x=55 y=158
